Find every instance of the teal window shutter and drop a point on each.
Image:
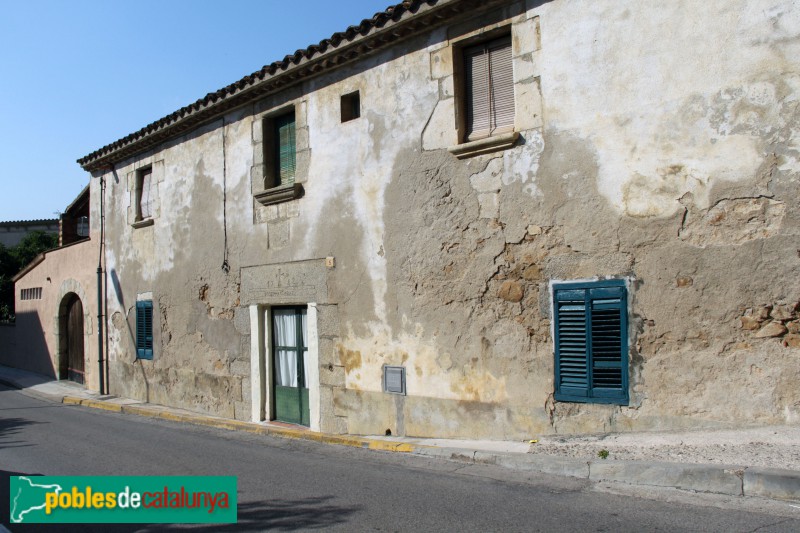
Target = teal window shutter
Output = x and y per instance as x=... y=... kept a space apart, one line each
x=591 y=342
x=286 y=149
x=144 y=329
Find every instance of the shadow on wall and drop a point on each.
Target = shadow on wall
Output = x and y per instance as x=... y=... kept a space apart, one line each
x=31 y=351
x=132 y=336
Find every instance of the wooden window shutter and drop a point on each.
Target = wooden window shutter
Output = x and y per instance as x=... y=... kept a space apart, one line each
x=608 y=342
x=144 y=329
x=572 y=373
x=477 y=77
x=286 y=150
x=489 y=88
x=502 y=79
x=591 y=342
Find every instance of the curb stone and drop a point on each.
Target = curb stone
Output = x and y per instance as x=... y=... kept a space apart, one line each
x=238 y=425
x=33 y=394
x=772 y=483
x=717 y=479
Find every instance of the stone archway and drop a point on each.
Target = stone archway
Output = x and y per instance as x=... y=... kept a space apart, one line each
x=72 y=356
x=73 y=327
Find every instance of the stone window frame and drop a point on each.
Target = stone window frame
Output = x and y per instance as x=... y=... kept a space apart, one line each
x=135 y=179
x=504 y=138
x=265 y=193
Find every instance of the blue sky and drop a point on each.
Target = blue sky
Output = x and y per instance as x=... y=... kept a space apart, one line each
x=76 y=75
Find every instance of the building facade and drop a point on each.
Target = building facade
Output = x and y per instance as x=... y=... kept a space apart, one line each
x=12 y=232
x=55 y=299
x=474 y=219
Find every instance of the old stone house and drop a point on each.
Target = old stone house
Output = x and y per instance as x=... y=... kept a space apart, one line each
x=488 y=219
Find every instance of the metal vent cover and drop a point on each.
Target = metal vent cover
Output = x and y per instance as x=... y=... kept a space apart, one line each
x=394 y=379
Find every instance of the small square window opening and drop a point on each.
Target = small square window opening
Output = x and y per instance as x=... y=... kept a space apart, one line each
x=351 y=106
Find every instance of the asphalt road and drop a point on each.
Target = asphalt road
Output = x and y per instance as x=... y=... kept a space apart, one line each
x=287 y=485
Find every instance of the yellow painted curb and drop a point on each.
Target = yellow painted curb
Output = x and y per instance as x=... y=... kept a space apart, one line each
x=140 y=411
x=343 y=440
x=389 y=446
x=102 y=405
x=238 y=425
x=293 y=433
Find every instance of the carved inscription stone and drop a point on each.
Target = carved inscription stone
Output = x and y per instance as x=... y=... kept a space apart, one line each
x=285 y=283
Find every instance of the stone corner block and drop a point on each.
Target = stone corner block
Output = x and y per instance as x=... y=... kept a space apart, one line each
x=440 y=132
x=441 y=63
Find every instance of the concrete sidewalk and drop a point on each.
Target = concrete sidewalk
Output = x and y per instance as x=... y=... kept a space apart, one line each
x=743 y=479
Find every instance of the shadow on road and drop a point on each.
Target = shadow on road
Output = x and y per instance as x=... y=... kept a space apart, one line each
x=278 y=515
x=8 y=428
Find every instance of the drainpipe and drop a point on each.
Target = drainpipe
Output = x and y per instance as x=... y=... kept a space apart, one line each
x=100 y=289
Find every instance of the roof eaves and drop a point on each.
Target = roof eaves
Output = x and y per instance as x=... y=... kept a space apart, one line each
x=400 y=21
x=38 y=221
x=82 y=197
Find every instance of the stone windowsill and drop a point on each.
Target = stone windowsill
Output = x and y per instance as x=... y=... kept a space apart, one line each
x=485 y=146
x=143 y=223
x=276 y=195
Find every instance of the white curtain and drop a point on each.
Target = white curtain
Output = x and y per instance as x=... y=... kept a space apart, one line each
x=303 y=316
x=285 y=331
x=284 y=327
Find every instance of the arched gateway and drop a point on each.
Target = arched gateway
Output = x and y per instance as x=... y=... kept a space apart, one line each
x=71 y=355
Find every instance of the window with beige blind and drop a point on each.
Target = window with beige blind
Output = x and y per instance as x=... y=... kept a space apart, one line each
x=144 y=196
x=489 y=89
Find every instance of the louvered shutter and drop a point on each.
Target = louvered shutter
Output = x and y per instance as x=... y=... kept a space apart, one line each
x=477 y=80
x=144 y=329
x=286 y=149
x=502 y=83
x=572 y=373
x=489 y=88
x=591 y=342
x=608 y=327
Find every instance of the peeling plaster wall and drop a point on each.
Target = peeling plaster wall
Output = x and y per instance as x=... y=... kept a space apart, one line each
x=657 y=143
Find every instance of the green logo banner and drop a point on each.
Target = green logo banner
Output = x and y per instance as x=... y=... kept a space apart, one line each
x=122 y=499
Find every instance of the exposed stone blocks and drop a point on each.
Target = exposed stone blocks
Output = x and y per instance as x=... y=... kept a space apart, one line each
x=773 y=321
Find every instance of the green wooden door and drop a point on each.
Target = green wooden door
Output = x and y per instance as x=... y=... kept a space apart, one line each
x=290 y=359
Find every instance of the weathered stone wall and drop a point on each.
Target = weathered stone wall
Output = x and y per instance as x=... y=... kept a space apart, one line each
x=658 y=143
